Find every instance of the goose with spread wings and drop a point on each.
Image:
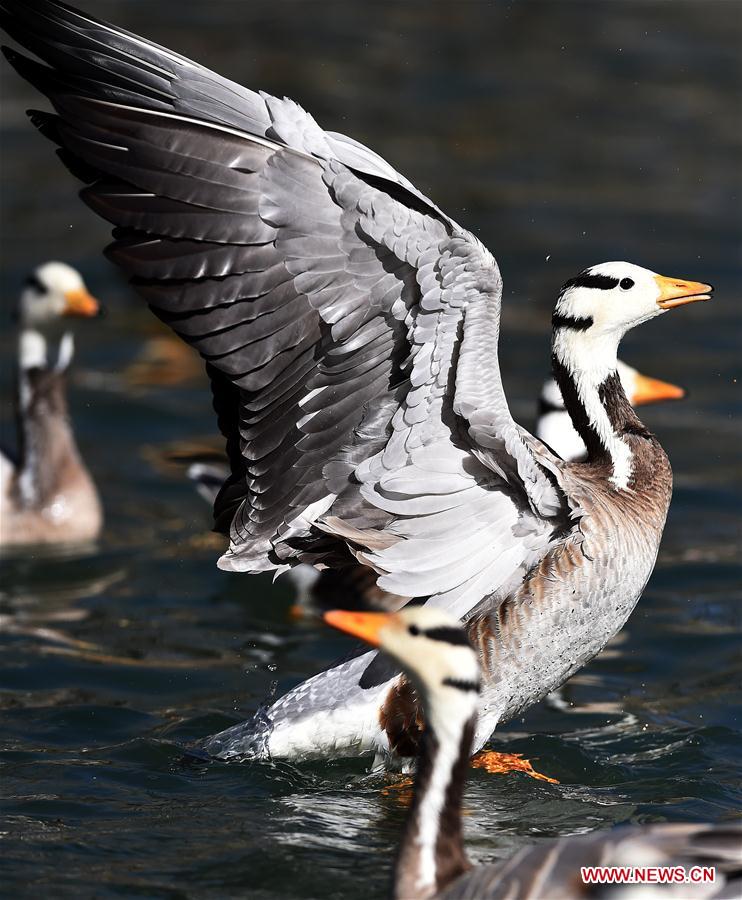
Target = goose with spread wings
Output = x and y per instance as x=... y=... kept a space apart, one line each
x=350 y=330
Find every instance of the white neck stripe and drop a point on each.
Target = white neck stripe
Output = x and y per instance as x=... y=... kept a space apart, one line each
x=590 y=358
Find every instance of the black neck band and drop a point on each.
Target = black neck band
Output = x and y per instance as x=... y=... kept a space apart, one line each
x=572 y=322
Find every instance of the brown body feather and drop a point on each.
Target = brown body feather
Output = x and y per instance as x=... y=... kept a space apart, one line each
x=58 y=503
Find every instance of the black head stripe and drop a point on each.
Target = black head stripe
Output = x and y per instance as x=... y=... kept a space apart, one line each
x=588 y=280
x=33 y=281
x=462 y=684
x=448 y=634
x=573 y=322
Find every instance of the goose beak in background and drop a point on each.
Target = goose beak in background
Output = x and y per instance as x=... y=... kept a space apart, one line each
x=652 y=390
x=364 y=625
x=677 y=292
x=80 y=303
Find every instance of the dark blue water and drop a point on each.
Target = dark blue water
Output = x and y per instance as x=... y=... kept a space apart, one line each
x=563 y=134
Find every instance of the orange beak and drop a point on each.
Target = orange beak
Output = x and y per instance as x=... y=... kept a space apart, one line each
x=366 y=626
x=676 y=292
x=652 y=390
x=80 y=303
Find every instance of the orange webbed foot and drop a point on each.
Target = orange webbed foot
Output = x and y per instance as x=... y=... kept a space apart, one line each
x=502 y=763
x=400 y=788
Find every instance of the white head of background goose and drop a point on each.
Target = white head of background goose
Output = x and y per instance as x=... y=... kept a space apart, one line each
x=47 y=494
x=54 y=293
x=435 y=653
x=593 y=312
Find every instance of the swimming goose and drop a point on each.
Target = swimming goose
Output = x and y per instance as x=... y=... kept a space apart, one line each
x=350 y=330
x=554 y=425
x=47 y=496
x=435 y=655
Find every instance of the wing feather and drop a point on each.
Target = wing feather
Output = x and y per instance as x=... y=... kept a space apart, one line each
x=350 y=328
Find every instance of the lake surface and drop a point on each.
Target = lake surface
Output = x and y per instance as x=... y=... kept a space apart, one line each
x=563 y=134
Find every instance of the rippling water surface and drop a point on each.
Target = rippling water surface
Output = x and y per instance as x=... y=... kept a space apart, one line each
x=563 y=134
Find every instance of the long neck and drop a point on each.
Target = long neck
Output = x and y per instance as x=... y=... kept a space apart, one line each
x=47 y=445
x=585 y=369
x=432 y=850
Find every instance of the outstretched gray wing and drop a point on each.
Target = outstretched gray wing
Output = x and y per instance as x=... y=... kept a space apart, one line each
x=349 y=327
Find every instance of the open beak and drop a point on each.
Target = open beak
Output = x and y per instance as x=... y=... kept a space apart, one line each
x=676 y=292
x=80 y=303
x=364 y=625
x=652 y=390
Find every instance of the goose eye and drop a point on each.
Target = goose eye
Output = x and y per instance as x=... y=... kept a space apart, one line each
x=414 y=630
x=626 y=283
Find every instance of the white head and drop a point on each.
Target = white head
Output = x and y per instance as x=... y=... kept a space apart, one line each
x=435 y=653
x=52 y=291
x=595 y=310
x=611 y=298
x=592 y=314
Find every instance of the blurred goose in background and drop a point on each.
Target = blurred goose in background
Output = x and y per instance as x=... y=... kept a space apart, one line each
x=47 y=495
x=208 y=477
x=435 y=655
x=554 y=425
x=350 y=332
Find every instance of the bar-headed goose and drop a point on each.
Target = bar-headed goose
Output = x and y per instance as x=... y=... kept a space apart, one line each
x=435 y=655
x=47 y=495
x=350 y=332
x=554 y=425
